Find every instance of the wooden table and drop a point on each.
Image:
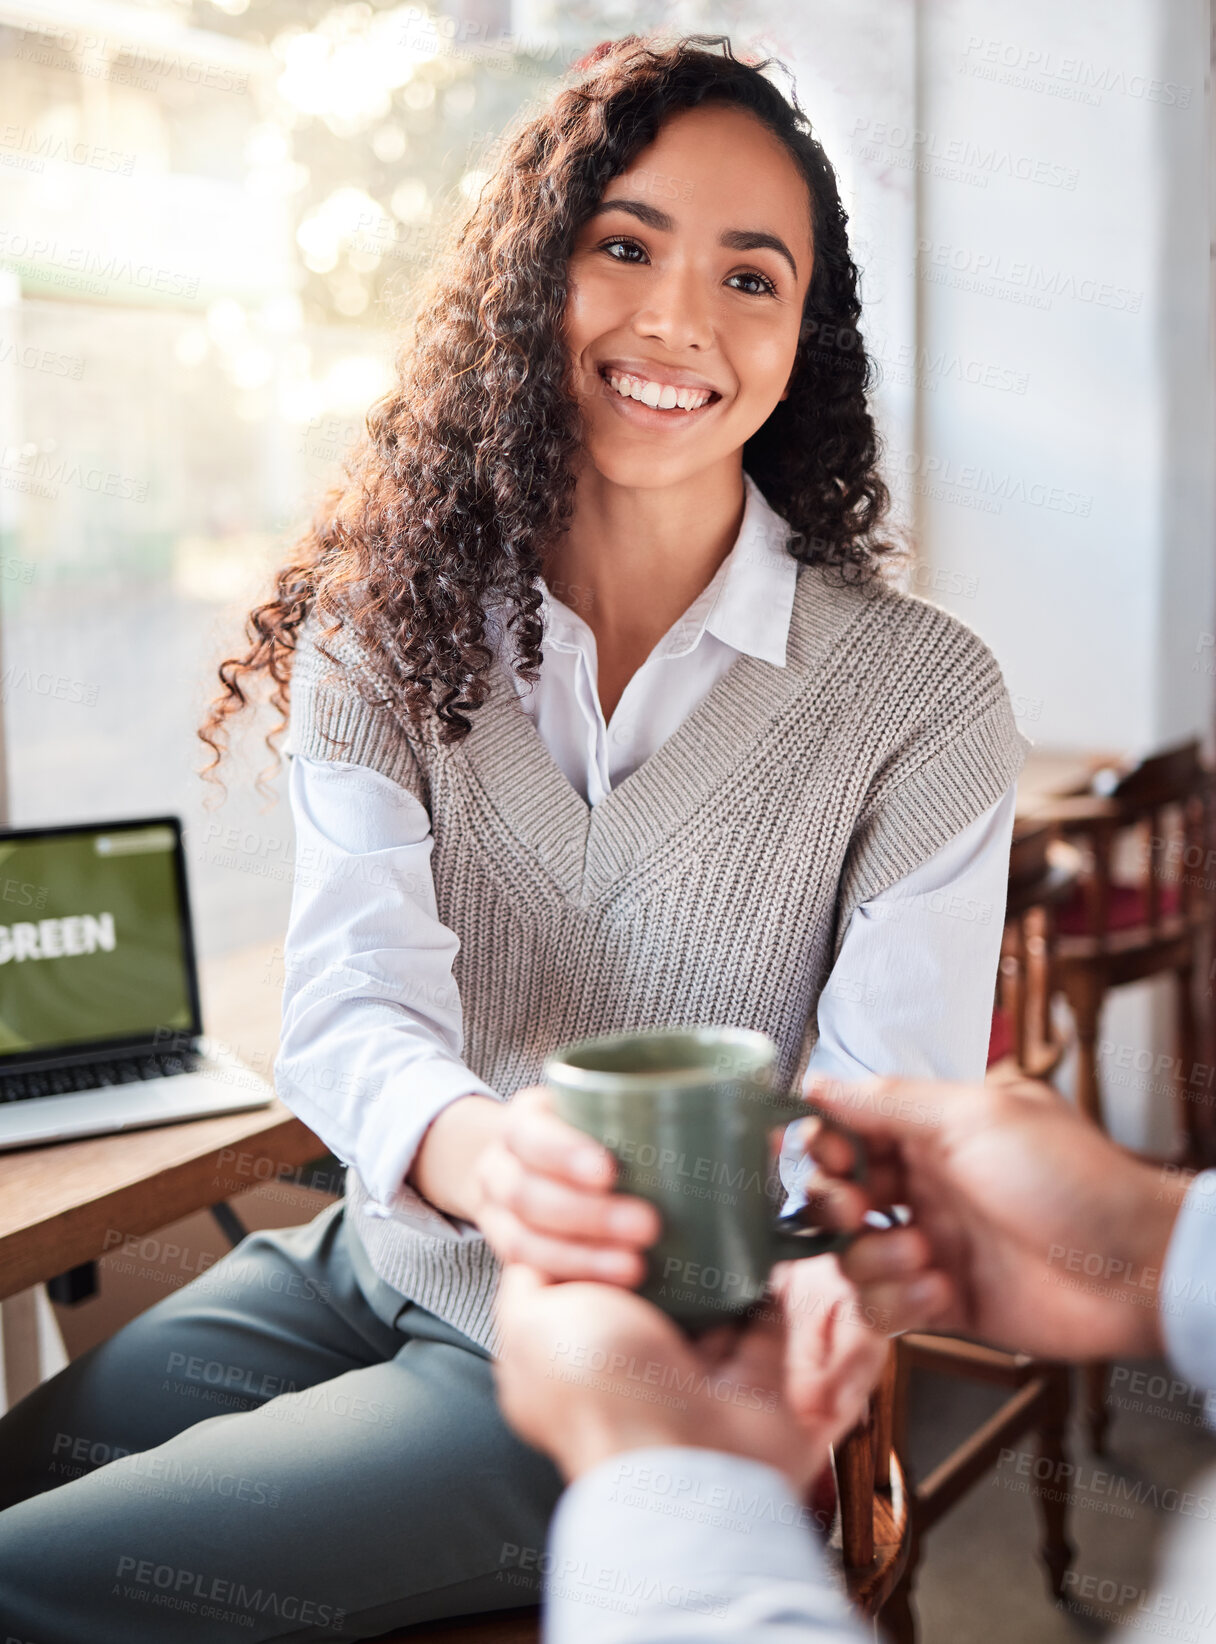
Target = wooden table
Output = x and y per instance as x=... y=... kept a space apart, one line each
x=67 y=1203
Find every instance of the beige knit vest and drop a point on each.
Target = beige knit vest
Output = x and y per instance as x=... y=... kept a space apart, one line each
x=714 y=884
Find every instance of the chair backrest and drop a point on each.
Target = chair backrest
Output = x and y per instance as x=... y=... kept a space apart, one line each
x=1042 y=873
x=1170 y=795
x=1167 y=798
x=1162 y=779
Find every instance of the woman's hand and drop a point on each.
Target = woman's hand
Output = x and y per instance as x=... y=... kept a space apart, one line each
x=541 y=1192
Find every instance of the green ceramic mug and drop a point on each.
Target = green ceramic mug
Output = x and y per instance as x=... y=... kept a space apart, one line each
x=687 y=1113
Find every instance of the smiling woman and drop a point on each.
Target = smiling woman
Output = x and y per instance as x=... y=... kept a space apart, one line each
x=683 y=335
x=670 y=209
x=601 y=718
x=698 y=290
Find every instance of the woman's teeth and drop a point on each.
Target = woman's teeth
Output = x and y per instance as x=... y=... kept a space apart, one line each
x=661 y=395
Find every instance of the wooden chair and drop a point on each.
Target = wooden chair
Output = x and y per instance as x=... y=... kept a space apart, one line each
x=1039 y=1402
x=1024 y=1042
x=873 y=1533
x=867 y=1512
x=1151 y=916
x=1137 y=914
x=1043 y=873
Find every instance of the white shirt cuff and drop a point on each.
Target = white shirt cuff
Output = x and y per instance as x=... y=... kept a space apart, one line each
x=1186 y=1297
x=675 y=1542
x=390 y=1194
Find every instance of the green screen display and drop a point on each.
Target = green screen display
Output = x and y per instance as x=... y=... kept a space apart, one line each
x=91 y=938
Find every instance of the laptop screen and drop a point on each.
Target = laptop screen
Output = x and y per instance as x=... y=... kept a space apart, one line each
x=95 y=946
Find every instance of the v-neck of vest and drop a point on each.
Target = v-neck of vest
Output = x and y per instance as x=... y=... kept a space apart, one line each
x=587 y=849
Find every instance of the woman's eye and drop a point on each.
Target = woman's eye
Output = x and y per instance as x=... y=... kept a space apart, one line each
x=767 y=288
x=632 y=244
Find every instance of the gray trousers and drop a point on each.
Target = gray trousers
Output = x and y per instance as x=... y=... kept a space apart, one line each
x=284 y=1448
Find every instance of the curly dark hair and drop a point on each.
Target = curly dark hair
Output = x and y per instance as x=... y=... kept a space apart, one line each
x=465 y=474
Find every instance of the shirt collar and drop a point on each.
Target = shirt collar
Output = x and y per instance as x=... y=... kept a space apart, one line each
x=755 y=599
x=747 y=604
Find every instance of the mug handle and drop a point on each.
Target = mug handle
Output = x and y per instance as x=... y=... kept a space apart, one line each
x=786 y=1244
x=792 y=1247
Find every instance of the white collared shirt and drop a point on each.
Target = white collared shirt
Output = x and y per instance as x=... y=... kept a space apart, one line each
x=745 y=607
x=372 y=1027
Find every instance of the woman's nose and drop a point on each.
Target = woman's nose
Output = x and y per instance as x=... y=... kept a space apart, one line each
x=677 y=311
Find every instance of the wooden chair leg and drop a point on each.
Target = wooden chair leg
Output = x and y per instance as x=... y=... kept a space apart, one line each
x=855 y=1483
x=899 y=1369
x=1205 y=1038
x=883 y=1404
x=896 y=1619
x=1097 y=1411
x=1085 y=1000
x=1057 y=1550
x=1192 y=1105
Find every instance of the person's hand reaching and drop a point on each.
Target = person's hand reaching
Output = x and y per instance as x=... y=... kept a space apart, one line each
x=1030 y=1228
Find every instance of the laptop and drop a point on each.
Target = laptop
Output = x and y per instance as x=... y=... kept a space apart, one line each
x=100 y=1027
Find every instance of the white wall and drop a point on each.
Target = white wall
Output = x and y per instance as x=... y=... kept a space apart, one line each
x=1029 y=191
x=1063 y=234
x=1186 y=633
x=1086 y=276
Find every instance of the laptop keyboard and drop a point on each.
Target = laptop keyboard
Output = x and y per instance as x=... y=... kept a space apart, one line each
x=62 y=1081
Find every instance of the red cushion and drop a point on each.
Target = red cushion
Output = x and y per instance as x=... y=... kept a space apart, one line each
x=1000 y=1039
x=1127 y=907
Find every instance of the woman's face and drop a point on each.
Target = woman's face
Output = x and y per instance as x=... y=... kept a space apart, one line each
x=690 y=277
